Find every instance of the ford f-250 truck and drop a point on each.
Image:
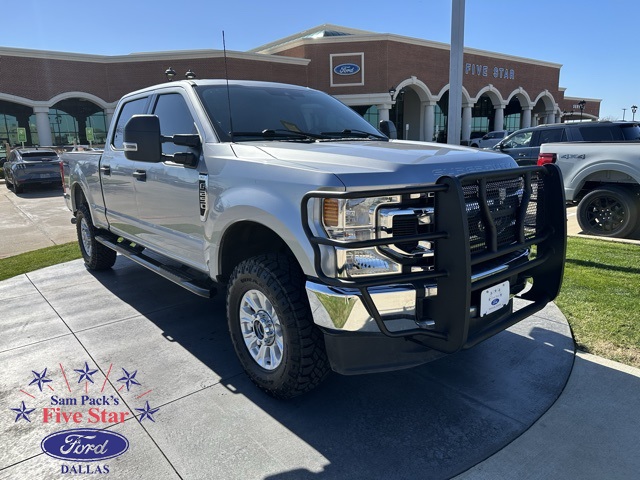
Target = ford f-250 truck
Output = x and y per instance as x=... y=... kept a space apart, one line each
x=603 y=178
x=339 y=248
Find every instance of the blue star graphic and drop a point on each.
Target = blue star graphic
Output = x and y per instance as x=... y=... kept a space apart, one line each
x=147 y=412
x=39 y=378
x=86 y=373
x=23 y=412
x=129 y=379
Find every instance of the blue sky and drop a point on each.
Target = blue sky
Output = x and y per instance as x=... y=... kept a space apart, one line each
x=594 y=41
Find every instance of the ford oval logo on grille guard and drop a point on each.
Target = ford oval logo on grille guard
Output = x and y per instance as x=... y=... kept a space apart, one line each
x=84 y=445
x=347 y=69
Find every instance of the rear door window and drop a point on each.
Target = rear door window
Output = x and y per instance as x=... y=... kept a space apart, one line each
x=552 y=135
x=129 y=109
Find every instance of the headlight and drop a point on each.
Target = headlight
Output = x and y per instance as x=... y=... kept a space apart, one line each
x=354 y=218
x=351 y=220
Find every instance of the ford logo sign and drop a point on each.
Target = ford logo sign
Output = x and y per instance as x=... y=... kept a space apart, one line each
x=84 y=445
x=495 y=301
x=347 y=69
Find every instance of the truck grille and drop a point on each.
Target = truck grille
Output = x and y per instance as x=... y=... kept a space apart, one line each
x=502 y=212
x=499 y=213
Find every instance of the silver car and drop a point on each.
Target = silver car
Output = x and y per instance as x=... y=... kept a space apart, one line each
x=30 y=166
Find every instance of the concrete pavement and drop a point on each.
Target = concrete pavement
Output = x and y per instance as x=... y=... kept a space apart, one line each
x=32 y=220
x=433 y=421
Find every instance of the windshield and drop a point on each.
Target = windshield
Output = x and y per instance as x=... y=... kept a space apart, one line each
x=281 y=113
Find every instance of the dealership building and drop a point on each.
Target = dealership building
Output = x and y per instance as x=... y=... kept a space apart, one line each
x=57 y=98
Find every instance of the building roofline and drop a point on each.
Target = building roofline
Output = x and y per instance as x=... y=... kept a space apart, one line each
x=353 y=35
x=148 y=56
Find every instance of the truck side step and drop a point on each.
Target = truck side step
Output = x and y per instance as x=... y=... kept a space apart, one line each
x=200 y=286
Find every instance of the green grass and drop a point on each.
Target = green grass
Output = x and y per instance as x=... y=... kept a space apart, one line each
x=599 y=296
x=30 y=261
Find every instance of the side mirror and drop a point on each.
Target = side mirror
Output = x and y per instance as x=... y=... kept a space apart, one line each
x=389 y=129
x=142 y=141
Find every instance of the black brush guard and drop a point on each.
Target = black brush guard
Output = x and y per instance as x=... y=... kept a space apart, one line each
x=455 y=328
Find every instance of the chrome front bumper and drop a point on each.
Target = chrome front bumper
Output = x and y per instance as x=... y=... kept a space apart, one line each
x=342 y=309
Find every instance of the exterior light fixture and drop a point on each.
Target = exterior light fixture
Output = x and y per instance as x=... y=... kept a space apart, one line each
x=190 y=75
x=170 y=73
x=634 y=109
x=581 y=104
x=392 y=92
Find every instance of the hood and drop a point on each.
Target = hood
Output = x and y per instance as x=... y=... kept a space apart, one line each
x=369 y=163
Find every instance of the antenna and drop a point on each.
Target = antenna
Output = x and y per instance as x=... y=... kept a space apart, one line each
x=226 y=76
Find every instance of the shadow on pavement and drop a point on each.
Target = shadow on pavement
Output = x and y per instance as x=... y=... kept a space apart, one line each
x=433 y=421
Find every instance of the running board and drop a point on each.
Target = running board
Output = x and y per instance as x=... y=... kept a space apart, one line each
x=176 y=275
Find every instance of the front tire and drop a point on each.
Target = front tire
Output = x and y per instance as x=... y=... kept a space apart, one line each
x=96 y=255
x=271 y=326
x=608 y=212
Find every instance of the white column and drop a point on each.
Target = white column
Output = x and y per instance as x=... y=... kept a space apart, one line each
x=551 y=118
x=43 y=126
x=383 y=111
x=526 y=118
x=498 y=119
x=466 y=124
x=429 y=121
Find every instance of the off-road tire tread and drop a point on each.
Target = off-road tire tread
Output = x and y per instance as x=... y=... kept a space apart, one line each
x=283 y=277
x=628 y=199
x=102 y=257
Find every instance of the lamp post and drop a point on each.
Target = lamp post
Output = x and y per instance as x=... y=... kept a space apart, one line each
x=624 y=110
x=634 y=108
x=581 y=104
x=170 y=73
x=190 y=75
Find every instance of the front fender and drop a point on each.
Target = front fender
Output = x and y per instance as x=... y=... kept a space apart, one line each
x=277 y=212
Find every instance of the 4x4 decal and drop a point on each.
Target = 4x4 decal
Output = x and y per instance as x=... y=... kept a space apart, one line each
x=202 y=195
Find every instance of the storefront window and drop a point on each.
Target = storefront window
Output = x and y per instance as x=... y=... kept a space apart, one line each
x=64 y=127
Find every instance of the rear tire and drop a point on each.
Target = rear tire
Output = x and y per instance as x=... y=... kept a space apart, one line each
x=608 y=212
x=96 y=256
x=271 y=327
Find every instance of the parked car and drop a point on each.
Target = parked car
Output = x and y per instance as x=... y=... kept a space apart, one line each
x=490 y=139
x=31 y=165
x=524 y=145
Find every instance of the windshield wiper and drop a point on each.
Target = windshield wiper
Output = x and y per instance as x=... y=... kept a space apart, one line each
x=348 y=133
x=279 y=134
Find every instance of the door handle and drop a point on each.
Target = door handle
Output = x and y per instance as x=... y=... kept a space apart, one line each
x=105 y=169
x=522 y=154
x=140 y=175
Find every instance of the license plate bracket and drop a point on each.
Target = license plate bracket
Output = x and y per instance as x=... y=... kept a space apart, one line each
x=494 y=298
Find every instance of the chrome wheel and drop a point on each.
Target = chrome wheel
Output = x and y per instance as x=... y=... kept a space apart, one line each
x=85 y=231
x=261 y=329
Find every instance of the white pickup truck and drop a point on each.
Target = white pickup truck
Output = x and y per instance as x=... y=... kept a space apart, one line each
x=338 y=248
x=603 y=178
